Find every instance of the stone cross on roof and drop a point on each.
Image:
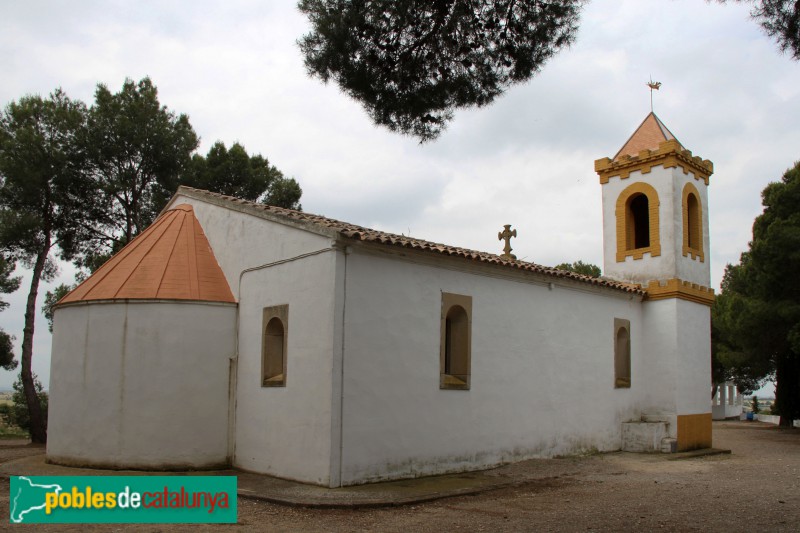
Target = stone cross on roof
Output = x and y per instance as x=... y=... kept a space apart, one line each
x=506 y=235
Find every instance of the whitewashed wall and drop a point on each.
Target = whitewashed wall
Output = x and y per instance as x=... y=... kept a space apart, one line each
x=362 y=401
x=542 y=371
x=721 y=412
x=141 y=384
x=774 y=419
x=669 y=184
x=286 y=431
x=660 y=370
x=693 y=351
x=677 y=348
x=283 y=431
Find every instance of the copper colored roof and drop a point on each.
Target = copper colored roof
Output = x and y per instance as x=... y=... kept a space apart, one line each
x=347 y=231
x=648 y=136
x=170 y=260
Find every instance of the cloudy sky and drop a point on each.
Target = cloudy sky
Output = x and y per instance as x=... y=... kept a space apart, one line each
x=235 y=69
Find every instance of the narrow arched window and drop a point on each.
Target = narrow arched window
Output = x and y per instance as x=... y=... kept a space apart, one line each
x=273 y=357
x=456 y=337
x=622 y=353
x=692 y=223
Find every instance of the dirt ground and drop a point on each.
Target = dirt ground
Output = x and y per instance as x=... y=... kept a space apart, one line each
x=754 y=489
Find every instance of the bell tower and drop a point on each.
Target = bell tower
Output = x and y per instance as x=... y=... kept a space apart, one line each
x=655 y=234
x=655 y=209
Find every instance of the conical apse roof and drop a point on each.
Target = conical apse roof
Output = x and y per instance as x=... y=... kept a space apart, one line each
x=650 y=133
x=170 y=260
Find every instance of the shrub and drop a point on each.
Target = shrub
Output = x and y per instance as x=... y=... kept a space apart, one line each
x=18 y=413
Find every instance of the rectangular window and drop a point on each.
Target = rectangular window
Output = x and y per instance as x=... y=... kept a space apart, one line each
x=622 y=353
x=273 y=345
x=456 y=342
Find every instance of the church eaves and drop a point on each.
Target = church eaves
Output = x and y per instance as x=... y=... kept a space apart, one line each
x=648 y=136
x=170 y=260
x=337 y=229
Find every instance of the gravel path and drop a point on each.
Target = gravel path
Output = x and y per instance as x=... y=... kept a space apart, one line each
x=755 y=489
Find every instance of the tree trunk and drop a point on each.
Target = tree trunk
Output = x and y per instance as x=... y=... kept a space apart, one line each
x=787 y=387
x=38 y=426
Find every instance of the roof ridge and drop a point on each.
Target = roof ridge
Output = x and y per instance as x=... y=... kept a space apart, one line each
x=194 y=258
x=665 y=130
x=169 y=257
x=144 y=255
x=364 y=234
x=303 y=215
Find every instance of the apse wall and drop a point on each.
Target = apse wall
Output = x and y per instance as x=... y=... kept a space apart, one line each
x=141 y=384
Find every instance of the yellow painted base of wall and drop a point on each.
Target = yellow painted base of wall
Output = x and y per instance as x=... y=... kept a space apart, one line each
x=694 y=432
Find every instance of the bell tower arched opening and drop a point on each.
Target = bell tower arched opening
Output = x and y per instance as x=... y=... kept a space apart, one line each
x=638 y=216
x=692 y=223
x=637 y=222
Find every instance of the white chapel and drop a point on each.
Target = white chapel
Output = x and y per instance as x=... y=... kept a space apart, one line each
x=231 y=333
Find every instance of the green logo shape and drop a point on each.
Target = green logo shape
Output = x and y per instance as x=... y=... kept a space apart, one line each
x=123 y=499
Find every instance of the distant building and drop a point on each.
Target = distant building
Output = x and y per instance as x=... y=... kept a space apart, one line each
x=727 y=402
x=295 y=345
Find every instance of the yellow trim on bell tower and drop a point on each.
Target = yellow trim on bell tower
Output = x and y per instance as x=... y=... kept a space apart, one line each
x=669 y=154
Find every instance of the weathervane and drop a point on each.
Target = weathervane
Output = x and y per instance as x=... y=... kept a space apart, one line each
x=653 y=85
x=506 y=235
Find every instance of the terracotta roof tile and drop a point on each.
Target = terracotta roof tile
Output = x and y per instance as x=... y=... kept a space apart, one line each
x=169 y=260
x=362 y=234
x=648 y=136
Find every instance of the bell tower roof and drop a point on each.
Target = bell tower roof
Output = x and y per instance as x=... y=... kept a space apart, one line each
x=648 y=136
x=652 y=144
